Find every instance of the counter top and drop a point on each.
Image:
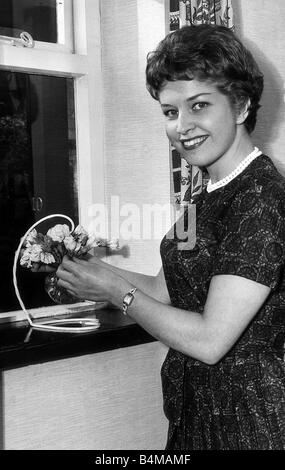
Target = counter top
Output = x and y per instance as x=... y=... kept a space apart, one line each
x=21 y=345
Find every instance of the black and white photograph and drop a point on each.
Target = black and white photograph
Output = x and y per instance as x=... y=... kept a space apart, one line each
x=142 y=229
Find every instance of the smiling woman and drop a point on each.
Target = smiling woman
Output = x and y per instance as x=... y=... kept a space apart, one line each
x=202 y=131
x=216 y=305
x=201 y=98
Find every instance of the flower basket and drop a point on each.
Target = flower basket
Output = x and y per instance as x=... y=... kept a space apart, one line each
x=36 y=249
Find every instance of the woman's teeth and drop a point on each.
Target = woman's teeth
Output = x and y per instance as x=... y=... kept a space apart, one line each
x=193 y=143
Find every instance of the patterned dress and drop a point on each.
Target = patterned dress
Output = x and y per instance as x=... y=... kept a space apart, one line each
x=238 y=403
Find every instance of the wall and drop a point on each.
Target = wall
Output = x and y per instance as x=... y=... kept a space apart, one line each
x=136 y=148
x=109 y=400
x=260 y=24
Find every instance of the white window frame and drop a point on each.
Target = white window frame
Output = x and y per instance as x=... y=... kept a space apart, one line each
x=64 y=28
x=84 y=65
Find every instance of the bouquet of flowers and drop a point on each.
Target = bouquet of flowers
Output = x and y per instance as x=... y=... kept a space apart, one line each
x=49 y=249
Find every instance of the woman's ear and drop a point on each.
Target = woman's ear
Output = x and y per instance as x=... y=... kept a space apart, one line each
x=243 y=112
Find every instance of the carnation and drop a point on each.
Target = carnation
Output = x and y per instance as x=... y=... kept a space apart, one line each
x=31 y=255
x=69 y=243
x=47 y=258
x=32 y=236
x=113 y=244
x=58 y=232
x=57 y=242
x=80 y=235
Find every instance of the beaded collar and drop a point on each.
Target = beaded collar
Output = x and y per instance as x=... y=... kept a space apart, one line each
x=238 y=170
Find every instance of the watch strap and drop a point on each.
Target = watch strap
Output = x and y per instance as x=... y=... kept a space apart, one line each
x=128 y=299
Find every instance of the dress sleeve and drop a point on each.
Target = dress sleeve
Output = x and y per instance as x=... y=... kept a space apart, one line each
x=252 y=239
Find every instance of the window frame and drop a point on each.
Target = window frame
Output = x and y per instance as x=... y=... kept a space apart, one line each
x=65 y=29
x=84 y=66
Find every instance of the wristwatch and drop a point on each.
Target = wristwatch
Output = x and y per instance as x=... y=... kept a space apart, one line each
x=127 y=300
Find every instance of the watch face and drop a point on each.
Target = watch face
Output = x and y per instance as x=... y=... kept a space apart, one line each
x=128 y=299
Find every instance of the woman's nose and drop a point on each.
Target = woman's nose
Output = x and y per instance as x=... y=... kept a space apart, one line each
x=185 y=123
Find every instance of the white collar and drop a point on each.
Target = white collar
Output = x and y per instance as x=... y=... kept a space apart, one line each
x=239 y=169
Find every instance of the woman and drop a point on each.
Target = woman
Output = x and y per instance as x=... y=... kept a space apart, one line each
x=220 y=306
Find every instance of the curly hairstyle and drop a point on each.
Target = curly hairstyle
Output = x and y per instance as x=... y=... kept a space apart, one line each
x=208 y=52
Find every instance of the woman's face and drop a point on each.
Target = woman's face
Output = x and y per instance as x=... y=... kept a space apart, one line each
x=200 y=121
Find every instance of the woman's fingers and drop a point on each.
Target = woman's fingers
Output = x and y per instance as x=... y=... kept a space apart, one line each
x=65 y=280
x=66 y=285
x=64 y=275
x=42 y=268
x=68 y=265
x=91 y=260
x=84 y=279
x=72 y=265
x=69 y=272
x=85 y=262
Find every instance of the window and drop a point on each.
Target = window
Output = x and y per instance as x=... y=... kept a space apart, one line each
x=49 y=22
x=50 y=125
x=37 y=168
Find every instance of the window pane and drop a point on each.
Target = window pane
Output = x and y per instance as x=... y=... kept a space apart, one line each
x=40 y=18
x=37 y=170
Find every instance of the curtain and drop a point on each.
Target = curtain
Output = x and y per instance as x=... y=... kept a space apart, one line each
x=186 y=12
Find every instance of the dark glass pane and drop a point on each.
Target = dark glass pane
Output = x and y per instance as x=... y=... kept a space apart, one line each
x=177 y=181
x=37 y=17
x=37 y=170
x=176 y=159
x=174 y=15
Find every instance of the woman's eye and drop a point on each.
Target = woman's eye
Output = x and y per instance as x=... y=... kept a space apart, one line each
x=199 y=106
x=170 y=113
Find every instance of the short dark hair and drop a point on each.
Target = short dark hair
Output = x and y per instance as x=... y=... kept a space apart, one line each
x=208 y=52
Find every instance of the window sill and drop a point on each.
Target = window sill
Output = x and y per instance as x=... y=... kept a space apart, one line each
x=22 y=346
x=35 y=61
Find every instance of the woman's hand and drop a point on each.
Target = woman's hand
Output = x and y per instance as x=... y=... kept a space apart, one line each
x=43 y=268
x=91 y=280
x=50 y=268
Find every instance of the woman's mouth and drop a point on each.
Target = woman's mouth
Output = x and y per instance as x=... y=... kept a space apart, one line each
x=191 y=144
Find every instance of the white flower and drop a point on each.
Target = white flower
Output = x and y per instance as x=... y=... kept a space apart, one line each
x=58 y=232
x=50 y=248
x=80 y=230
x=25 y=260
x=35 y=254
x=69 y=243
x=99 y=241
x=47 y=258
x=80 y=234
x=32 y=254
x=92 y=241
x=113 y=244
x=31 y=237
